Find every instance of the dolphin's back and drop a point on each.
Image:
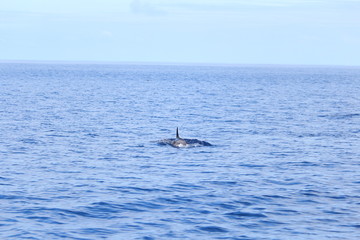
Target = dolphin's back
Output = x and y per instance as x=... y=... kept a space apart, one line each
x=183 y=142
x=196 y=141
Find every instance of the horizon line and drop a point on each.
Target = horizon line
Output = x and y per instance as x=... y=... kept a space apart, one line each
x=105 y=62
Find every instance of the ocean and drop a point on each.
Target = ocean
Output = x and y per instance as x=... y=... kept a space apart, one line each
x=80 y=157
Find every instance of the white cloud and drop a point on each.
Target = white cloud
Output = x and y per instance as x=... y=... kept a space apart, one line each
x=147 y=7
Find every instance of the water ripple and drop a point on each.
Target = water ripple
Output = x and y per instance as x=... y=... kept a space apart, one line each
x=78 y=159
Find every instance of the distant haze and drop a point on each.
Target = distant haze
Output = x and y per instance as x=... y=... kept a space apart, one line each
x=319 y=32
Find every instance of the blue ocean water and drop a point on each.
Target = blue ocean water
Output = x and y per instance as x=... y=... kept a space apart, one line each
x=79 y=158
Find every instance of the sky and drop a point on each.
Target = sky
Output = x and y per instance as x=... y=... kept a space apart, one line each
x=310 y=32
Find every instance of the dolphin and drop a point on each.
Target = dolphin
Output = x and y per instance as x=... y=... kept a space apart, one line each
x=179 y=142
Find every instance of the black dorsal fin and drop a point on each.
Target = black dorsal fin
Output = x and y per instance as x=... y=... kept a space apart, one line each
x=177 y=133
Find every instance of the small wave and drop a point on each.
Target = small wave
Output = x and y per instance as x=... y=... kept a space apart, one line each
x=310 y=193
x=225 y=206
x=10 y=197
x=275 y=196
x=334 y=212
x=213 y=229
x=175 y=200
x=186 y=187
x=143 y=205
x=353 y=226
x=287 y=182
x=14 y=197
x=285 y=212
x=44 y=219
x=224 y=183
x=30 y=141
x=242 y=215
x=142 y=189
x=97 y=231
x=59 y=211
x=252 y=165
x=341 y=116
x=272 y=223
x=305 y=164
x=104 y=210
x=334 y=134
x=92 y=135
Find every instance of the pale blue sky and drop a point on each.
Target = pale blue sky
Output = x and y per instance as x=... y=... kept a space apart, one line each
x=189 y=31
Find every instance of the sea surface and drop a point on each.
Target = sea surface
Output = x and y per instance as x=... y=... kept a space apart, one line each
x=79 y=157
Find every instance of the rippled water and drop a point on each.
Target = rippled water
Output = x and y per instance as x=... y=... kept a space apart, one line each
x=79 y=158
